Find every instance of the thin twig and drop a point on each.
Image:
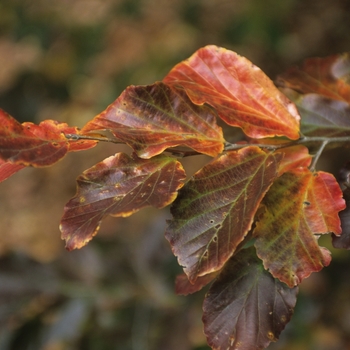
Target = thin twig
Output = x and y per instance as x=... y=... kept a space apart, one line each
x=318 y=154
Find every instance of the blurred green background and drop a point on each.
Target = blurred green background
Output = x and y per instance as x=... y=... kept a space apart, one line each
x=67 y=60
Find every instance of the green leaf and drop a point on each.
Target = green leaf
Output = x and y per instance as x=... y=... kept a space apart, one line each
x=240 y=92
x=299 y=206
x=155 y=117
x=246 y=308
x=118 y=186
x=216 y=208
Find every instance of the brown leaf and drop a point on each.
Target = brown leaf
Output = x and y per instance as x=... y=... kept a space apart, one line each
x=183 y=286
x=118 y=186
x=155 y=117
x=216 y=208
x=246 y=308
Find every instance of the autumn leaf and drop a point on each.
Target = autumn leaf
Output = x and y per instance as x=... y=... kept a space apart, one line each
x=240 y=92
x=7 y=169
x=215 y=209
x=321 y=116
x=343 y=241
x=293 y=156
x=246 y=308
x=40 y=145
x=118 y=186
x=328 y=77
x=155 y=117
x=183 y=286
x=299 y=206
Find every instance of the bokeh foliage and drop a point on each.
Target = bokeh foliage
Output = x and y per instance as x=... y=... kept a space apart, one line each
x=67 y=60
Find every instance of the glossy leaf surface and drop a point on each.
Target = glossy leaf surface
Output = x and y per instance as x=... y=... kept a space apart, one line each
x=299 y=206
x=240 y=92
x=36 y=145
x=215 y=209
x=118 y=186
x=246 y=308
x=155 y=117
x=321 y=116
x=328 y=77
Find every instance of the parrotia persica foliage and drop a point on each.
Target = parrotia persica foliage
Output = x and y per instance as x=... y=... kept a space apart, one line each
x=248 y=222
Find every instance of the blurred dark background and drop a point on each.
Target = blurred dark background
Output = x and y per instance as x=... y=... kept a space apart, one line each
x=67 y=60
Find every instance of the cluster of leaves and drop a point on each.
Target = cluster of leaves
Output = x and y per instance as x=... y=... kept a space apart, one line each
x=248 y=222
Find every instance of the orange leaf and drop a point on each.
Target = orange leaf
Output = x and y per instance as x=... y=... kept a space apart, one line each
x=240 y=92
x=36 y=145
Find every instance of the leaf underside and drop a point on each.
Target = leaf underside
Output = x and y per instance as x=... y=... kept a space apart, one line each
x=118 y=186
x=322 y=116
x=215 y=209
x=240 y=92
x=299 y=206
x=246 y=308
x=153 y=118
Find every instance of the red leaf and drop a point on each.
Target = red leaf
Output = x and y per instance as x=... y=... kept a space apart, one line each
x=118 y=186
x=294 y=157
x=240 y=92
x=7 y=169
x=216 y=208
x=155 y=117
x=245 y=307
x=299 y=205
x=327 y=76
x=36 y=145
